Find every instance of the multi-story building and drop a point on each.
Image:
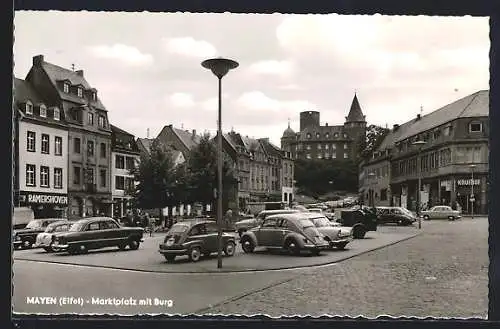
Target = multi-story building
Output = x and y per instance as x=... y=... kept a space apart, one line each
x=89 y=138
x=287 y=178
x=178 y=139
x=315 y=141
x=452 y=164
x=41 y=166
x=144 y=145
x=125 y=156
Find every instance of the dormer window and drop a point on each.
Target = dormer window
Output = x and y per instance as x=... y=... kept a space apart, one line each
x=336 y=135
x=80 y=92
x=102 y=121
x=43 y=111
x=317 y=135
x=475 y=127
x=327 y=135
x=66 y=87
x=90 y=118
x=345 y=135
x=57 y=114
x=94 y=96
x=308 y=135
x=29 y=108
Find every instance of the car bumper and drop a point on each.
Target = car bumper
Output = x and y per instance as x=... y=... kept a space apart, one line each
x=343 y=240
x=60 y=247
x=315 y=246
x=171 y=251
x=17 y=243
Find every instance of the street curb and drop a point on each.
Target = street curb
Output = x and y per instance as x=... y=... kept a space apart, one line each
x=223 y=271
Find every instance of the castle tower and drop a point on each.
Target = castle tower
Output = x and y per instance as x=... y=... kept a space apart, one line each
x=355 y=124
x=309 y=119
x=288 y=139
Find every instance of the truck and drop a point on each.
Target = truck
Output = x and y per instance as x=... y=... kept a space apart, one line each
x=362 y=220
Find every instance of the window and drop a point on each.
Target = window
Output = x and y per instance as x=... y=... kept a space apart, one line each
x=129 y=183
x=308 y=147
x=45 y=144
x=447 y=131
x=29 y=108
x=110 y=225
x=326 y=146
x=77 y=175
x=129 y=163
x=475 y=127
x=43 y=111
x=308 y=156
x=383 y=194
x=31 y=141
x=119 y=162
x=319 y=146
x=271 y=222
x=103 y=150
x=327 y=155
x=317 y=135
x=308 y=135
x=334 y=146
x=102 y=121
x=327 y=135
x=57 y=114
x=76 y=145
x=44 y=176
x=345 y=146
x=476 y=157
x=66 y=88
x=58 y=178
x=345 y=135
x=93 y=227
x=119 y=183
x=80 y=92
x=94 y=96
x=90 y=118
x=102 y=177
x=90 y=176
x=30 y=175
x=336 y=135
x=58 y=145
x=90 y=148
x=319 y=156
x=334 y=155
x=346 y=155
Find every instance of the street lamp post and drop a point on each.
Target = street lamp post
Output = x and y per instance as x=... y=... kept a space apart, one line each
x=371 y=200
x=472 y=197
x=219 y=67
x=419 y=144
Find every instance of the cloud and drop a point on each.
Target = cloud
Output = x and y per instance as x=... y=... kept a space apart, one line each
x=181 y=100
x=188 y=46
x=272 y=67
x=124 y=53
x=258 y=101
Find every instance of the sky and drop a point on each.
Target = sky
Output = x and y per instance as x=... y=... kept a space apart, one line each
x=147 y=66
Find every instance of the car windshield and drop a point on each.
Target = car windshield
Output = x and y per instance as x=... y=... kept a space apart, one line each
x=321 y=222
x=50 y=228
x=34 y=224
x=305 y=223
x=76 y=227
x=406 y=211
x=179 y=228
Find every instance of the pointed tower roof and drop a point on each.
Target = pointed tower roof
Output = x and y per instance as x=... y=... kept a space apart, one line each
x=355 y=113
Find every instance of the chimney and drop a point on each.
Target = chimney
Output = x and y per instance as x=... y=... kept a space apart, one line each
x=194 y=133
x=170 y=126
x=395 y=127
x=37 y=60
x=79 y=72
x=418 y=116
x=326 y=124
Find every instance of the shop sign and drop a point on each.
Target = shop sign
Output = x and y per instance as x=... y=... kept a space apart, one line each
x=463 y=182
x=43 y=198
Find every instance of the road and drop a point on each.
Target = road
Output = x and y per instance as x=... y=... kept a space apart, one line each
x=269 y=292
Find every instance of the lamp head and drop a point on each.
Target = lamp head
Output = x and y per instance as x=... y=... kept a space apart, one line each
x=219 y=66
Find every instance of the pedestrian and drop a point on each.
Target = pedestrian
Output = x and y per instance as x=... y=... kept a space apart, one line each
x=227 y=218
x=150 y=224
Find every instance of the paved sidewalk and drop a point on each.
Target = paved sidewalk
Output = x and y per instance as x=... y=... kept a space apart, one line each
x=440 y=273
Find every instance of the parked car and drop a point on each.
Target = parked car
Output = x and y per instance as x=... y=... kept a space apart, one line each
x=361 y=219
x=316 y=210
x=246 y=224
x=44 y=239
x=293 y=232
x=336 y=235
x=95 y=233
x=394 y=215
x=195 y=238
x=26 y=237
x=440 y=212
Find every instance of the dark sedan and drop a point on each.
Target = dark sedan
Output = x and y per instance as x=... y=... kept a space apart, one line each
x=292 y=232
x=394 y=215
x=195 y=238
x=95 y=233
x=26 y=237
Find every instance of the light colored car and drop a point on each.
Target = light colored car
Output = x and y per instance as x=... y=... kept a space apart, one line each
x=337 y=236
x=440 y=212
x=316 y=210
x=44 y=240
x=247 y=224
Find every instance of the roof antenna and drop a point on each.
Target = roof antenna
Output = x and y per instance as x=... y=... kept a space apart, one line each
x=73 y=67
x=421 y=109
x=288 y=122
x=182 y=126
x=147 y=133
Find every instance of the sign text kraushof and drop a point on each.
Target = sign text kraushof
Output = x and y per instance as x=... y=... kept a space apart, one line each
x=468 y=181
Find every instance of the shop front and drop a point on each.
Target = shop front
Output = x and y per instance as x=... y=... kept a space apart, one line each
x=45 y=205
x=81 y=205
x=471 y=195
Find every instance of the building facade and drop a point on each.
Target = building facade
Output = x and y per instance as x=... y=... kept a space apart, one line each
x=89 y=136
x=41 y=166
x=125 y=156
x=316 y=141
x=452 y=163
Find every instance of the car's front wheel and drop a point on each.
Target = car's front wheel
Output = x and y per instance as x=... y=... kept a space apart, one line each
x=426 y=217
x=247 y=245
x=451 y=218
x=27 y=244
x=292 y=247
x=230 y=248
x=359 y=232
x=133 y=244
x=194 y=254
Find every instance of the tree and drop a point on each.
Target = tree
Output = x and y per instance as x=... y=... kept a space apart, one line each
x=201 y=173
x=374 y=137
x=156 y=177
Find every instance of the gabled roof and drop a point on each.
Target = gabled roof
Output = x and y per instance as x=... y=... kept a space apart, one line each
x=121 y=131
x=57 y=73
x=187 y=138
x=146 y=143
x=474 y=105
x=24 y=92
x=270 y=148
x=355 y=113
